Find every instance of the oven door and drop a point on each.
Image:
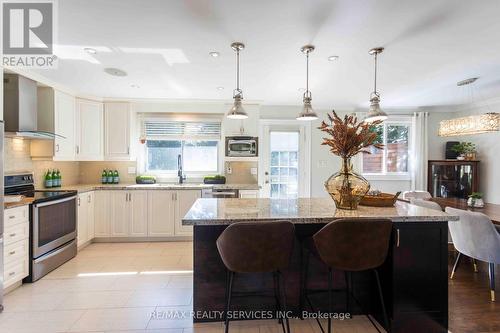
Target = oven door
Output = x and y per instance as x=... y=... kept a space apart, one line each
x=241 y=148
x=54 y=224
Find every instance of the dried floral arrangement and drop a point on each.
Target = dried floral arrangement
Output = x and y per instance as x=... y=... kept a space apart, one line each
x=348 y=136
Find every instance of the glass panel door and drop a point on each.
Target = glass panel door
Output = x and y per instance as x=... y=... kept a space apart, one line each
x=284 y=164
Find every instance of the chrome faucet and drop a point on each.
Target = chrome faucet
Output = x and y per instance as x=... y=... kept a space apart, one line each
x=181 y=176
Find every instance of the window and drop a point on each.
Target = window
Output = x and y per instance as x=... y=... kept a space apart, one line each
x=197 y=143
x=394 y=159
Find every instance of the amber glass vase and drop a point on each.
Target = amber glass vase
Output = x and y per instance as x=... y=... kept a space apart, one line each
x=346 y=187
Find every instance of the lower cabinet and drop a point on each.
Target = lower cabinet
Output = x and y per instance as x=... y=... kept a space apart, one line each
x=16 y=245
x=85 y=231
x=249 y=194
x=137 y=213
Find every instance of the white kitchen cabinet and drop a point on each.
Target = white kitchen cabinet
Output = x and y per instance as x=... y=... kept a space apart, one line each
x=85 y=218
x=16 y=245
x=65 y=126
x=249 y=194
x=184 y=199
x=102 y=213
x=120 y=213
x=117 y=131
x=138 y=212
x=90 y=130
x=161 y=208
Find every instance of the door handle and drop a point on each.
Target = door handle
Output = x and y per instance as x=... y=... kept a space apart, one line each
x=397 y=237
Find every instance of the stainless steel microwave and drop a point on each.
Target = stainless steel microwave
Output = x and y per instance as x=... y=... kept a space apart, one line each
x=242 y=146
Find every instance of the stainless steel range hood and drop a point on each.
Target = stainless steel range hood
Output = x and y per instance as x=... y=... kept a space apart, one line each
x=20 y=108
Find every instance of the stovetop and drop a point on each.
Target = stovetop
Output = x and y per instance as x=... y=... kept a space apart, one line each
x=23 y=184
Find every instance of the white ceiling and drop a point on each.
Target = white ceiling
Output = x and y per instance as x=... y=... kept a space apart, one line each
x=164 y=46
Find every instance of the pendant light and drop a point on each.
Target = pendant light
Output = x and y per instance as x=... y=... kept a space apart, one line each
x=237 y=111
x=375 y=113
x=307 y=110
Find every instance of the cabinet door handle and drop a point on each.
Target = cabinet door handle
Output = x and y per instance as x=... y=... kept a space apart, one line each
x=79 y=202
x=13 y=235
x=12 y=217
x=77 y=149
x=89 y=199
x=12 y=273
x=397 y=237
x=12 y=252
x=130 y=197
x=128 y=150
x=57 y=148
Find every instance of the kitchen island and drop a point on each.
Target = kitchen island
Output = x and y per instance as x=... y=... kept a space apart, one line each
x=414 y=276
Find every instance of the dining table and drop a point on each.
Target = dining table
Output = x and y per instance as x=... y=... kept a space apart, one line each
x=489 y=209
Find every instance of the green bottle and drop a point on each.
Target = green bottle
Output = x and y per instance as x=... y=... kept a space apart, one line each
x=59 y=178
x=104 y=177
x=48 y=179
x=116 y=177
x=54 y=178
x=109 y=177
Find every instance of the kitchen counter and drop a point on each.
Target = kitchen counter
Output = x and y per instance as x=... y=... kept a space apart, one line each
x=305 y=210
x=82 y=188
x=24 y=201
x=414 y=275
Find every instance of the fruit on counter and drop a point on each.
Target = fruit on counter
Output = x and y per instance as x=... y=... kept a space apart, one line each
x=215 y=179
x=145 y=179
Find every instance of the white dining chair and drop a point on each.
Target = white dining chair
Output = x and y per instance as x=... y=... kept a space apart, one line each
x=407 y=195
x=426 y=204
x=475 y=236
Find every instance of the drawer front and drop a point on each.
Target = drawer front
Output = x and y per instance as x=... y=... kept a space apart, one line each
x=15 y=233
x=15 y=271
x=16 y=251
x=16 y=215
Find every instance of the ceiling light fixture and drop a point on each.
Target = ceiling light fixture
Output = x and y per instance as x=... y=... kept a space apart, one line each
x=237 y=111
x=307 y=110
x=333 y=58
x=90 y=50
x=214 y=54
x=115 y=71
x=375 y=113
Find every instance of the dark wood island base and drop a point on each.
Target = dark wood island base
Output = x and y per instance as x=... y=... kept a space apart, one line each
x=414 y=279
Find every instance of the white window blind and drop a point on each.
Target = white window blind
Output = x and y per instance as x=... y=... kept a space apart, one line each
x=188 y=130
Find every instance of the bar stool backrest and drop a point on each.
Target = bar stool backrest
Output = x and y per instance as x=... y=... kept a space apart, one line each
x=354 y=244
x=252 y=247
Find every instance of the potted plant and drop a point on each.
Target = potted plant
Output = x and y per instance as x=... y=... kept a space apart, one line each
x=475 y=200
x=347 y=138
x=465 y=150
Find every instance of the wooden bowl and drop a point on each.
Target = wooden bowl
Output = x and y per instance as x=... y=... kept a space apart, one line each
x=380 y=200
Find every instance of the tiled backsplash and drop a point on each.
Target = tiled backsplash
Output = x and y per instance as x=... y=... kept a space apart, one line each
x=17 y=159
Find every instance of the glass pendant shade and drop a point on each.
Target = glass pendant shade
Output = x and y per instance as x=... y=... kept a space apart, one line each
x=307 y=111
x=237 y=111
x=375 y=112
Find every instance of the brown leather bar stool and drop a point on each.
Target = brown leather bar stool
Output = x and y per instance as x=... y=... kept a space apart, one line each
x=257 y=247
x=351 y=245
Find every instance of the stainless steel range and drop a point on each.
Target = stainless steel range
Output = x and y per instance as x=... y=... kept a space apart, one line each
x=53 y=223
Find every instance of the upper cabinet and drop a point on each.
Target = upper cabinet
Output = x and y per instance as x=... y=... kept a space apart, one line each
x=90 y=128
x=117 y=131
x=64 y=125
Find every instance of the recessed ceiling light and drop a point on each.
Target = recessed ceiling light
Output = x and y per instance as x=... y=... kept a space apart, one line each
x=220 y=88
x=115 y=71
x=134 y=86
x=90 y=50
x=214 y=54
x=333 y=58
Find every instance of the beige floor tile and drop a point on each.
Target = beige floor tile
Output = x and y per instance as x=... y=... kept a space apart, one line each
x=28 y=301
x=181 y=281
x=142 y=282
x=113 y=319
x=161 y=297
x=43 y=321
x=95 y=300
x=171 y=317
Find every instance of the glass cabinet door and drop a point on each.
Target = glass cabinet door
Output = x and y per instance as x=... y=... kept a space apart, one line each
x=451 y=180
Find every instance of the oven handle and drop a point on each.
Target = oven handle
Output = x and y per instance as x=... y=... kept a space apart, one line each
x=53 y=202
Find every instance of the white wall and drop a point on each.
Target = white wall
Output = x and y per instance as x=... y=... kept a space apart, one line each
x=488 y=147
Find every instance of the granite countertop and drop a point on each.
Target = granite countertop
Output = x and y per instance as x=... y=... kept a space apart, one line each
x=304 y=210
x=24 y=201
x=82 y=188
